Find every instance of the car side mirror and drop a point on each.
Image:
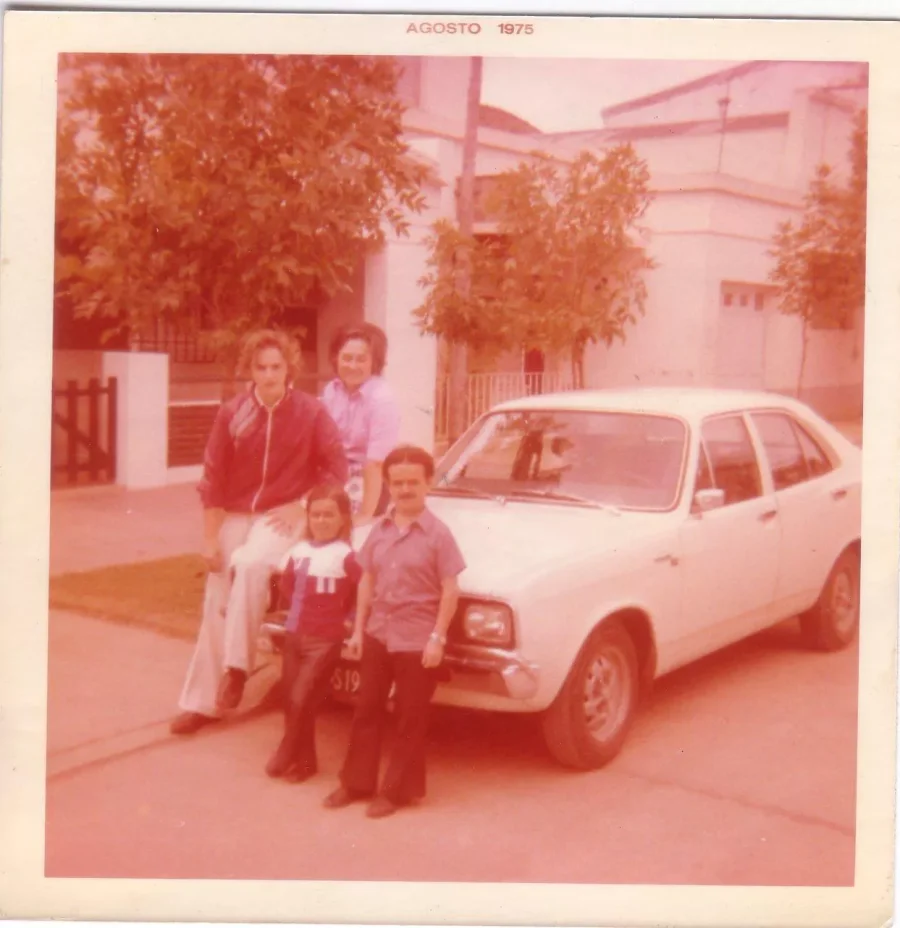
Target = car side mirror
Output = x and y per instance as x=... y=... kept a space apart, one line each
x=707 y=500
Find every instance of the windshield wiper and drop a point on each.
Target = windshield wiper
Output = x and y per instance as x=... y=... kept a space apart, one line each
x=467 y=491
x=567 y=498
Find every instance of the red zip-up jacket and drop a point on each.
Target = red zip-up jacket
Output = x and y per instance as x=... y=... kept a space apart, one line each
x=258 y=458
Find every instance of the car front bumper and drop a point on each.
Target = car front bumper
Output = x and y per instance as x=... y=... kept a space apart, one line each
x=491 y=670
x=469 y=668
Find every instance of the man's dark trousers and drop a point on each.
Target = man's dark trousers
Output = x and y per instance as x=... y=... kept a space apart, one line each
x=404 y=779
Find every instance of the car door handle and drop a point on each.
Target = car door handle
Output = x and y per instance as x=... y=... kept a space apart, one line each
x=663 y=558
x=768 y=515
x=840 y=493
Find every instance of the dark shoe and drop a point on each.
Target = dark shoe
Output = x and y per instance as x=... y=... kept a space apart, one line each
x=341 y=797
x=231 y=689
x=299 y=774
x=189 y=722
x=279 y=764
x=381 y=807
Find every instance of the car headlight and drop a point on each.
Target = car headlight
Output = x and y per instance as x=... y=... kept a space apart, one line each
x=488 y=623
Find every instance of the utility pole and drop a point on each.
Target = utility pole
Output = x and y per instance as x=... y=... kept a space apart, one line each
x=458 y=366
x=724 y=103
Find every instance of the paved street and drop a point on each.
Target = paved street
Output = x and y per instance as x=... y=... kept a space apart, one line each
x=741 y=770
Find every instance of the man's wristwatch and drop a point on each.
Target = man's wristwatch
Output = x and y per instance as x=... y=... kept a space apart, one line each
x=436 y=636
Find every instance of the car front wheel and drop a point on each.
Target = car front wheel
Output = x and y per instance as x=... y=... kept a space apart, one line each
x=588 y=722
x=834 y=620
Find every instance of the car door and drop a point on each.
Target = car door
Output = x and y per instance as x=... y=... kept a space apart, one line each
x=810 y=505
x=730 y=554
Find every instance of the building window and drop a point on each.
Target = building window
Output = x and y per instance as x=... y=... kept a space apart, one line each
x=746 y=295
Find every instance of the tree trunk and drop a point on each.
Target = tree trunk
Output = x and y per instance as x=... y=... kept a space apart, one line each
x=458 y=365
x=578 y=364
x=803 y=346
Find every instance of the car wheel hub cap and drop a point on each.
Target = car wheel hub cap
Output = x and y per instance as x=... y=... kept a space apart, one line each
x=605 y=696
x=843 y=604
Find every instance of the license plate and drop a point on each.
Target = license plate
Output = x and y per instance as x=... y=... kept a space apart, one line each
x=345 y=680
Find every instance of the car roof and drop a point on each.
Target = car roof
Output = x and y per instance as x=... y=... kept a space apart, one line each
x=688 y=402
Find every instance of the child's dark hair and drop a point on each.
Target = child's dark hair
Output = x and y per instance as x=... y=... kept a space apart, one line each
x=339 y=496
x=366 y=332
x=407 y=454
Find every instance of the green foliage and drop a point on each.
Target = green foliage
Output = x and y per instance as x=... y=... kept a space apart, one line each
x=562 y=270
x=820 y=265
x=224 y=188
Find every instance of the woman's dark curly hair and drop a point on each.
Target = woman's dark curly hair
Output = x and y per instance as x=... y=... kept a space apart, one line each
x=366 y=332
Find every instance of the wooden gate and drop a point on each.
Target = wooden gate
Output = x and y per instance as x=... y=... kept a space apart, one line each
x=83 y=449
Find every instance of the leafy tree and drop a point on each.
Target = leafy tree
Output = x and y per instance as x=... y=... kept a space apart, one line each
x=820 y=261
x=562 y=269
x=223 y=189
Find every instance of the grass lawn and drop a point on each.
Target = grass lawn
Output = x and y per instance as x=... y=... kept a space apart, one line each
x=164 y=595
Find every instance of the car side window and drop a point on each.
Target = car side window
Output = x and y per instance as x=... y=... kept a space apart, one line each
x=704 y=473
x=816 y=459
x=786 y=458
x=732 y=458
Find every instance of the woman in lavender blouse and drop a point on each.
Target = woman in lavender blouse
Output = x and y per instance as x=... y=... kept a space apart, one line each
x=366 y=413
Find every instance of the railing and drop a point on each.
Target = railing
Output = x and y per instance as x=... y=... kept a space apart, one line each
x=483 y=391
x=179 y=347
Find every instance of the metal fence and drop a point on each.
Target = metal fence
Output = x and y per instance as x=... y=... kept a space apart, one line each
x=179 y=346
x=484 y=391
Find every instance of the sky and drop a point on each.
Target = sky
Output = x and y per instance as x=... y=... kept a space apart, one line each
x=560 y=94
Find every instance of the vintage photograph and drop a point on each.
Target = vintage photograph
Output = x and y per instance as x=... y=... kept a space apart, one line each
x=448 y=475
x=492 y=419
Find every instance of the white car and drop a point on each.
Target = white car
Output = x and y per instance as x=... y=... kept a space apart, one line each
x=613 y=536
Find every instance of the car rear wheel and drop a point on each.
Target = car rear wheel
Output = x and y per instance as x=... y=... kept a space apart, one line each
x=588 y=722
x=833 y=622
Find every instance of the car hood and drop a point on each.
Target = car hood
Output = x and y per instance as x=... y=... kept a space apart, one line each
x=509 y=545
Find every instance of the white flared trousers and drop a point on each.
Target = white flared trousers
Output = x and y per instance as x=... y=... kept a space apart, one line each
x=234 y=604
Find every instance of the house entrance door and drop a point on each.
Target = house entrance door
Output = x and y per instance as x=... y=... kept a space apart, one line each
x=741 y=347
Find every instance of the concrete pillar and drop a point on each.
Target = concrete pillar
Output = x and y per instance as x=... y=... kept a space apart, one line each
x=392 y=293
x=143 y=410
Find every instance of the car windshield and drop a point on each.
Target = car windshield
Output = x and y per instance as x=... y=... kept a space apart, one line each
x=624 y=460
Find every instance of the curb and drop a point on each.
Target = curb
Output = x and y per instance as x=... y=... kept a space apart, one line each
x=70 y=761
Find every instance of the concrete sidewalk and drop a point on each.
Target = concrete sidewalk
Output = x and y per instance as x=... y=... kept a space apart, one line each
x=112 y=690
x=100 y=526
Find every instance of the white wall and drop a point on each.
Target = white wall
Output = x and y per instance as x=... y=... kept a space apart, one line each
x=444 y=88
x=664 y=346
x=767 y=89
x=756 y=155
x=143 y=397
x=392 y=293
x=831 y=362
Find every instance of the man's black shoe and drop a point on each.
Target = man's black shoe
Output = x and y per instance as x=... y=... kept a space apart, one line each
x=341 y=797
x=231 y=689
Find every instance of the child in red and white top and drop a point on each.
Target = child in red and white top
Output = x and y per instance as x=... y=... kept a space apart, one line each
x=318 y=587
